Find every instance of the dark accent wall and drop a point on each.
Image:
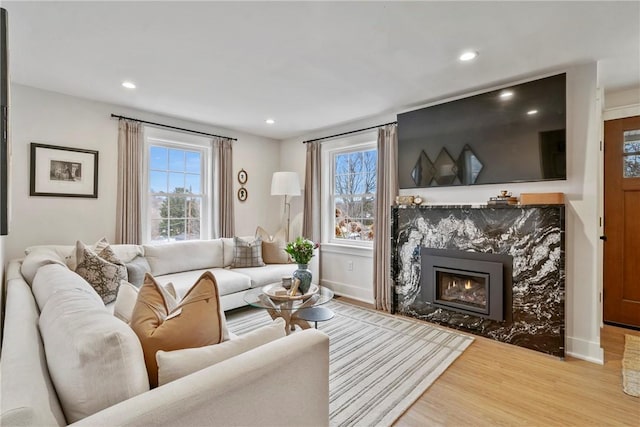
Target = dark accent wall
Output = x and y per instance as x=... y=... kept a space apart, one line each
x=533 y=235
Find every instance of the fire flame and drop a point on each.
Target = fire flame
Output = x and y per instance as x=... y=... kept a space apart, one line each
x=467 y=284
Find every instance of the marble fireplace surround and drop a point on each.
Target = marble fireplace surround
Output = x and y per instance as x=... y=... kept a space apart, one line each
x=533 y=235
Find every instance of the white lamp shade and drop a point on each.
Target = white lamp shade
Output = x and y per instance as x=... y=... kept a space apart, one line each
x=285 y=184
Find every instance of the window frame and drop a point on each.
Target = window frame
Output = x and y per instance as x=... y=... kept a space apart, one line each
x=182 y=141
x=363 y=142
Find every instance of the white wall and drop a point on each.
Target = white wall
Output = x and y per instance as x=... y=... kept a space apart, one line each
x=56 y=119
x=581 y=190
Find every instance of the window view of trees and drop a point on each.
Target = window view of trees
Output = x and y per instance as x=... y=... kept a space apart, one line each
x=632 y=154
x=175 y=193
x=354 y=194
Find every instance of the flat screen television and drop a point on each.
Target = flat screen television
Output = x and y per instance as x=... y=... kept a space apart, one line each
x=514 y=134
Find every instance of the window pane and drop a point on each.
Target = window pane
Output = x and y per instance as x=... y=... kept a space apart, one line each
x=157 y=182
x=176 y=182
x=156 y=204
x=177 y=229
x=341 y=163
x=158 y=230
x=192 y=183
x=192 y=209
x=341 y=184
x=193 y=162
x=355 y=162
x=176 y=160
x=631 y=142
x=192 y=229
x=631 y=166
x=158 y=158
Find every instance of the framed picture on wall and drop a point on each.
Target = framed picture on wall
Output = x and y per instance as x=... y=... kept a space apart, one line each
x=63 y=171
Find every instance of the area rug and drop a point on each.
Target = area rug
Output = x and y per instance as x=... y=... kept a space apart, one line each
x=379 y=364
x=631 y=365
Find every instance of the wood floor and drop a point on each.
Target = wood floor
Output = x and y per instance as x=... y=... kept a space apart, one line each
x=494 y=384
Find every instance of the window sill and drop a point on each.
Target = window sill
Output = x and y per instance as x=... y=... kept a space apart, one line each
x=334 y=248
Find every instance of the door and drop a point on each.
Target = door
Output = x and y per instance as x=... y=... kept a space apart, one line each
x=622 y=221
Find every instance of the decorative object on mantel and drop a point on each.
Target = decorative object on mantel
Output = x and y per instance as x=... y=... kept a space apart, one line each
x=301 y=251
x=631 y=365
x=404 y=200
x=417 y=200
x=541 y=198
x=505 y=198
x=63 y=171
x=242 y=179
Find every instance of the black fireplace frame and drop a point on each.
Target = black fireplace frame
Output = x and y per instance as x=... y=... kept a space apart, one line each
x=498 y=266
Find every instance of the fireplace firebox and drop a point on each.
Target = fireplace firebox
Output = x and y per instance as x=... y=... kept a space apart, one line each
x=467 y=282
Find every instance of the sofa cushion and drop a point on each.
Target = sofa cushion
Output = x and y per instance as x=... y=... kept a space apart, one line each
x=272 y=273
x=229 y=281
x=38 y=258
x=102 y=269
x=228 y=248
x=175 y=257
x=94 y=360
x=247 y=253
x=273 y=246
x=179 y=363
x=54 y=278
x=136 y=269
x=194 y=322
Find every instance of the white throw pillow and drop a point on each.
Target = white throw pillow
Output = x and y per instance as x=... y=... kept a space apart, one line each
x=179 y=363
x=95 y=361
x=38 y=258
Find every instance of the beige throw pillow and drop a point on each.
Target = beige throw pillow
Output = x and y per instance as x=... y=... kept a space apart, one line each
x=101 y=268
x=247 y=254
x=127 y=297
x=273 y=246
x=179 y=363
x=161 y=324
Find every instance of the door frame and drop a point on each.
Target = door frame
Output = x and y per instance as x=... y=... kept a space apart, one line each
x=612 y=113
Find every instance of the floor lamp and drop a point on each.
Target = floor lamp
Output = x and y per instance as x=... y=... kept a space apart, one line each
x=285 y=184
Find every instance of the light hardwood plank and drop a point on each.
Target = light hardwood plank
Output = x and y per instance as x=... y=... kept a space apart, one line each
x=496 y=384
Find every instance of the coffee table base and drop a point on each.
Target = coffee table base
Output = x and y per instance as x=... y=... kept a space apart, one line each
x=290 y=319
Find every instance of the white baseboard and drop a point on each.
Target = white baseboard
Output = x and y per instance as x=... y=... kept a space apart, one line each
x=585 y=350
x=350 y=291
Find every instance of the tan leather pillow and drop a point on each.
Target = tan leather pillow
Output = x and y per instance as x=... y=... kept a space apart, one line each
x=195 y=321
x=273 y=246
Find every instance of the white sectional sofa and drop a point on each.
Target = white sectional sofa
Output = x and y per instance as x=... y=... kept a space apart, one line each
x=62 y=348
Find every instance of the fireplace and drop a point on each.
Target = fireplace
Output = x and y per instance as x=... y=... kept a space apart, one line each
x=472 y=283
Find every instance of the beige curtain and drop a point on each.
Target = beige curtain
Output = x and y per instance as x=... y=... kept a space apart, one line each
x=311 y=213
x=223 y=218
x=387 y=190
x=128 y=201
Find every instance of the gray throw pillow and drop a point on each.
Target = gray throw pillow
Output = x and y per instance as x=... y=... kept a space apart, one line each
x=136 y=269
x=247 y=254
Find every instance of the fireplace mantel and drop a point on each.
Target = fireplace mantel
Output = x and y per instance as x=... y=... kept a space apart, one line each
x=533 y=235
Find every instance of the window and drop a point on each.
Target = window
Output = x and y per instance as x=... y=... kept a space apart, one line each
x=177 y=197
x=353 y=190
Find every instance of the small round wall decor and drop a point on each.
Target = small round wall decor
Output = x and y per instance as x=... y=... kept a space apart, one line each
x=242 y=176
x=242 y=194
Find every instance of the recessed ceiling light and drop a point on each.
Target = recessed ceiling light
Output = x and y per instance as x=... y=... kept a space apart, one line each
x=468 y=55
x=532 y=112
x=129 y=85
x=269 y=121
x=506 y=94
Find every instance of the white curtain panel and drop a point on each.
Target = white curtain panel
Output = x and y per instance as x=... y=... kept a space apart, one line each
x=128 y=209
x=387 y=190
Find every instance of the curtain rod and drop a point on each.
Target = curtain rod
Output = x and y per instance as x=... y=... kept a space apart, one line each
x=348 y=133
x=173 y=127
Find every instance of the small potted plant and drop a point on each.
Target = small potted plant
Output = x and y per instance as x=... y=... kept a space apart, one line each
x=301 y=251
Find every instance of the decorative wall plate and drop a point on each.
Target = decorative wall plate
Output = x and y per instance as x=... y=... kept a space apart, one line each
x=243 y=194
x=242 y=176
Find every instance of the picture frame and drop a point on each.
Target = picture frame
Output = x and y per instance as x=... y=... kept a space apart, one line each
x=57 y=171
x=243 y=194
x=243 y=177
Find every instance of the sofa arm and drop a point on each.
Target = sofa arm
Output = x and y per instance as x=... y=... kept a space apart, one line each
x=284 y=382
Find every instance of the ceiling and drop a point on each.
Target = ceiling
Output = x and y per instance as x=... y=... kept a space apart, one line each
x=309 y=65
